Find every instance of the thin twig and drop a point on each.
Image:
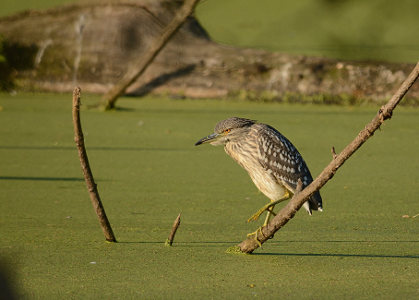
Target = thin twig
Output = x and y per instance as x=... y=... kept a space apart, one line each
x=87 y=172
x=288 y=212
x=175 y=226
x=334 y=153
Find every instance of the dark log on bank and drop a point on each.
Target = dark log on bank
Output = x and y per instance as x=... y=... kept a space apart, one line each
x=93 y=44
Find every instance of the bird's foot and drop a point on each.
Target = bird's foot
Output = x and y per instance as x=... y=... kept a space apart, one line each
x=260 y=211
x=254 y=235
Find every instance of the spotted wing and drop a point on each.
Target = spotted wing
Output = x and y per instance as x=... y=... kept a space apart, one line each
x=279 y=157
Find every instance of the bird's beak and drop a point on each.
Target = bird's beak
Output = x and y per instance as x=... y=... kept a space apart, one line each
x=207 y=139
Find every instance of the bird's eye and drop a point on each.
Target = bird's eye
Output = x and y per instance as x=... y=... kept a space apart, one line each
x=227 y=130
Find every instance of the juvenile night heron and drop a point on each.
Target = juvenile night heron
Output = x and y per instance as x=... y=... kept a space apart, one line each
x=271 y=160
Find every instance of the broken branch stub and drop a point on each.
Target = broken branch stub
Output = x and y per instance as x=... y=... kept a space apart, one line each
x=175 y=226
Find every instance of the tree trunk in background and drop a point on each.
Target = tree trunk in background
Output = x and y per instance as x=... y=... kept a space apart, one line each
x=93 y=45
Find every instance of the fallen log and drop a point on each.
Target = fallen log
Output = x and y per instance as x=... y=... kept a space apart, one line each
x=93 y=44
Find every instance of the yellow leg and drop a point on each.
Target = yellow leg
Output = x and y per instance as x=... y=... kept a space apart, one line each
x=255 y=234
x=267 y=207
x=268 y=215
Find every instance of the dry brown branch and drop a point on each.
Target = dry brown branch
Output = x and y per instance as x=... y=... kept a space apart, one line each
x=141 y=65
x=288 y=212
x=88 y=176
x=175 y=226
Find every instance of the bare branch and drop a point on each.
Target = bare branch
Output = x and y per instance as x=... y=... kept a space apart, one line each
x=88 y=176
x=288 y=212
x=141 y=65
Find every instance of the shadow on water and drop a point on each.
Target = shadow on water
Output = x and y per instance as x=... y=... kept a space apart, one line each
x=28 y=178
x=342 y=255
x=180 y=243
x=336 y=255
x=7 y=285
x=101 y=148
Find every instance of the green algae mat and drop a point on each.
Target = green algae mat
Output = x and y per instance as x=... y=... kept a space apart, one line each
x=364 y=244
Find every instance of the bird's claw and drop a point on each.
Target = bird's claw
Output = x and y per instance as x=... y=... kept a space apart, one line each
x=255 y=235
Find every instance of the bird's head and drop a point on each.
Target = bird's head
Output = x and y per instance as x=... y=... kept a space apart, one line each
x=231 y=129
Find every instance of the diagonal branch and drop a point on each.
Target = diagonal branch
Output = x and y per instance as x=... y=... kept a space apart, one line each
x=142 y=64
x=288 y=212
x=87 y=172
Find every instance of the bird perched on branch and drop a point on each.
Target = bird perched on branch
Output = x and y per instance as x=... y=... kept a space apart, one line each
x=271 y=160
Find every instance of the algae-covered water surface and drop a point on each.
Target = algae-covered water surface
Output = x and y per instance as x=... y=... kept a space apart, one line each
x=364 y=244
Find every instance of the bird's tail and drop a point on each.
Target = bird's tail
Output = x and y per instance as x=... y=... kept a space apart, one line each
x=315 y=202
